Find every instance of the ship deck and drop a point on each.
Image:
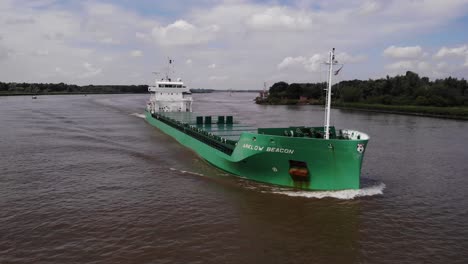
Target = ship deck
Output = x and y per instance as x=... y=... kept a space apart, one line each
x=223 y=132
x=230 y=131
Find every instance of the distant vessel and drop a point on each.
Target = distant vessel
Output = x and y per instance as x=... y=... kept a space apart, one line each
x=34 y=97
x=312 y=158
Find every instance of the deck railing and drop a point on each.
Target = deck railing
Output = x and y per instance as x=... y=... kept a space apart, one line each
x=217 y=142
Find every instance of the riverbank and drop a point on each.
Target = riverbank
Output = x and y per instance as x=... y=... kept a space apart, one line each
x=63 y=93
x=430 y=111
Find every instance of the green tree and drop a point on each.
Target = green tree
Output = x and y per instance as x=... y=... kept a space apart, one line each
x=278 y=88
x=294 y=91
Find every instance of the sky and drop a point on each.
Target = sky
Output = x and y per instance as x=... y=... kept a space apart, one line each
x=229 y=44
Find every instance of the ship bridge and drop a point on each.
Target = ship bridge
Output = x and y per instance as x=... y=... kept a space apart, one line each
x=169 y=96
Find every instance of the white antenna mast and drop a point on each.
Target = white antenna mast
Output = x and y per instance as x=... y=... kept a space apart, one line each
x=169 y=68
x=330 y=63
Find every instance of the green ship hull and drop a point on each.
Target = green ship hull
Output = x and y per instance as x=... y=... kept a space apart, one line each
x=291 y=157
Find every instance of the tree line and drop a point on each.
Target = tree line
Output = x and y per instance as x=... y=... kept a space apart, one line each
x=408 y=89
x=57 y=88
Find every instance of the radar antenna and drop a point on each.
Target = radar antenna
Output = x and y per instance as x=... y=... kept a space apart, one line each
x=169 y=70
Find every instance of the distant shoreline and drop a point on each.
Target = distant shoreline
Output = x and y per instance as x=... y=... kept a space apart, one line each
x=458 y=113
x=78 y=93
x=446 y=116
x=60 y=93
x=197 y=91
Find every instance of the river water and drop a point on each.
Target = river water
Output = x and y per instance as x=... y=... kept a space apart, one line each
x=84 y=179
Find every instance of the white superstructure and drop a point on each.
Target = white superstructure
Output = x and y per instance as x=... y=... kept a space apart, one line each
x=169 y=96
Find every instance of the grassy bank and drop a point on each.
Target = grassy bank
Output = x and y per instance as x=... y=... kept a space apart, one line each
x=444 y=112
x=432 y=111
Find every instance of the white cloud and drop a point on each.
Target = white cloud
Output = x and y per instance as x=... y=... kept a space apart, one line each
x=20 y=20
x=403 y=52
x=41 y=52
x=278 y=18
x=313 y=63
x=109 y=41
x=344 y=57
x=442 y=65
x=40 y=3
x=135 y=74
x=4 y=54
x=411 y=65
x=90 y=70
x=445 y=62
x=59 y=70
x=107 y=58
x=40 y=38
x=101 y=9
x=136 y=53
x=423 y=66
x=401 y=65
x=291 y=61
x=458 y=51
x=370 y=7
x=182 y=32
x=110 y=24
x=218 y=78
x=140 y=35
x=252 y=40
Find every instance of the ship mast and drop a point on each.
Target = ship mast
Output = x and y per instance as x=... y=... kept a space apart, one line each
x=331 y=61
x=169 y=69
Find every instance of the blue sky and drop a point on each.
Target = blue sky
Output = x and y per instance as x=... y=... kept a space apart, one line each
x=229 y=44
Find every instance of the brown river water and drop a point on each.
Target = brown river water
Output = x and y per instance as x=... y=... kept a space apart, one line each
x=84 y=179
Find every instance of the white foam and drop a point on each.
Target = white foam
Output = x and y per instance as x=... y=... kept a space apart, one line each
x=191 y=173
x=138 y=115
x=342 y=195
x=186 y=172
x=376 y=189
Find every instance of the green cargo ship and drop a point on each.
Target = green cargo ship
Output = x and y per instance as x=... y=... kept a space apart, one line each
x=312 y=158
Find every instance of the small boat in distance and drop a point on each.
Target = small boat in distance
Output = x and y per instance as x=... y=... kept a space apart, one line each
x=34 y=97
x=305 y=157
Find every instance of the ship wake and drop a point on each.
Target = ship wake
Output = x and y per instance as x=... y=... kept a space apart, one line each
x=138 y=115
x=369 y=188
x=186 y=172
x=342 y=194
